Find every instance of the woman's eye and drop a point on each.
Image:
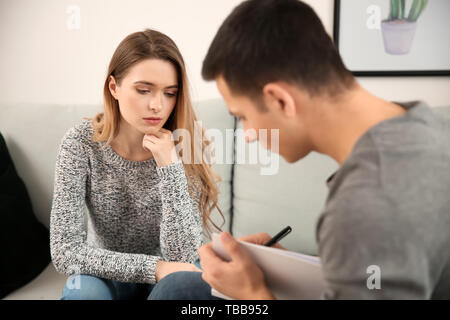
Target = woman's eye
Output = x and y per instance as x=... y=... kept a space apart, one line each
x=171 y=95
x=143 y=91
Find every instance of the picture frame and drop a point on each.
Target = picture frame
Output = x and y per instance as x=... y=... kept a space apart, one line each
x=393 y=37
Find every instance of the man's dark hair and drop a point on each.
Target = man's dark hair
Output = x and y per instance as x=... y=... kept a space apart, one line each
x=264 y=41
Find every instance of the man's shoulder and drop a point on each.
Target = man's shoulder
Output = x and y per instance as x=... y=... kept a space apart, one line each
x=402 y=152
x=419 y=126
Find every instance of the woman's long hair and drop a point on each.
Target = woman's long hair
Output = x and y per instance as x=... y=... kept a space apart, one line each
x=151 y=44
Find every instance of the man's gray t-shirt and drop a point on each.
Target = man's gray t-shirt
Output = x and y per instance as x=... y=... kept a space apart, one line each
x=385 y=230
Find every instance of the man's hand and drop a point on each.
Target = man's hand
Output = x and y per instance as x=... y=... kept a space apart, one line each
x=164 y=268
x=160 y=143
x=239 y=278
x=260 y=238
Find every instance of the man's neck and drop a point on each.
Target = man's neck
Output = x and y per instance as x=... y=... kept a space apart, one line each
x=336 y=129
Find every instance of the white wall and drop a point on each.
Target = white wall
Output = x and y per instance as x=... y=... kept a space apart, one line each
x=43 y=61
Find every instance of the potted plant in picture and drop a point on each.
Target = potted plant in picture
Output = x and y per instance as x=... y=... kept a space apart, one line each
x=399 y=29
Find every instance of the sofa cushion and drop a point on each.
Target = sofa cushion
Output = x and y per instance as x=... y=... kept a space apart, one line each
x=34 y=132
x=24 y=242
x=216 y=120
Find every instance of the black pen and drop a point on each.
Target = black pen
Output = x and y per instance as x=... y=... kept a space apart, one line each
x=280 y=235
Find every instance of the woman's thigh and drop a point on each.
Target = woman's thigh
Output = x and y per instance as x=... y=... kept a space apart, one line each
x=87 y=287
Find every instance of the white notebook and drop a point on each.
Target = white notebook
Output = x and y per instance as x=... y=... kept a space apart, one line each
x=289 y=275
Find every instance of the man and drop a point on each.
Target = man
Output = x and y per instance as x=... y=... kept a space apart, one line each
x=388 y=205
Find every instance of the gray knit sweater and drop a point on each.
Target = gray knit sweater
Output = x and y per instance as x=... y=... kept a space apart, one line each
x=139 y=213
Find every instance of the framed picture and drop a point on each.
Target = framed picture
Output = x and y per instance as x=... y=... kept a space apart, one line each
x=393 y=37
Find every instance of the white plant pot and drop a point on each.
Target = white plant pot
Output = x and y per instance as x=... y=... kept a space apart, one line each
x=398 y=35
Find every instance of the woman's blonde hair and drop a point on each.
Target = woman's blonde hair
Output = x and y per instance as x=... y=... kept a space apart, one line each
x=151 y=44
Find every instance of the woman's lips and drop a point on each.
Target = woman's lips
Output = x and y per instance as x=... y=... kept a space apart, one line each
x=153 y=120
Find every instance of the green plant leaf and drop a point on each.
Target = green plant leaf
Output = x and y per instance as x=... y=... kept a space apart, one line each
x=402 y=7
x=413 y=10
x=416 y=9
x=394 y=9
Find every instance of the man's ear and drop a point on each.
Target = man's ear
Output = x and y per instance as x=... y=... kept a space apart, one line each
x=112 y=85
x=278 y=97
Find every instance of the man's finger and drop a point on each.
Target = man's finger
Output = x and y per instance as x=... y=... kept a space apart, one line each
x=257 y=238
x=208 y=256
x=212 y=265
x=261 y=239
x=232 y=247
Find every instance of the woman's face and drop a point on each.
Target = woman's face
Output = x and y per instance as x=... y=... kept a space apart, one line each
x=149 y=89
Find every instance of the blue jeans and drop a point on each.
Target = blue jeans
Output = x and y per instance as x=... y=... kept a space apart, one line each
x=181 y=285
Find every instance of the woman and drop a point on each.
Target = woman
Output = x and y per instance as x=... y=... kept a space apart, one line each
x=146 y=207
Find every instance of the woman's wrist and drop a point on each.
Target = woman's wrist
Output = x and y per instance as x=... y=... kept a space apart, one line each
x=166 y=160
x=159 y=270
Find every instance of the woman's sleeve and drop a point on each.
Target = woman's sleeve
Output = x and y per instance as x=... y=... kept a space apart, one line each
x=181 y=232
x=70 y=252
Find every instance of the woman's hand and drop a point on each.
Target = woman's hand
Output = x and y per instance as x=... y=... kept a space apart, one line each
x=160 y=143
x=164 y=268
